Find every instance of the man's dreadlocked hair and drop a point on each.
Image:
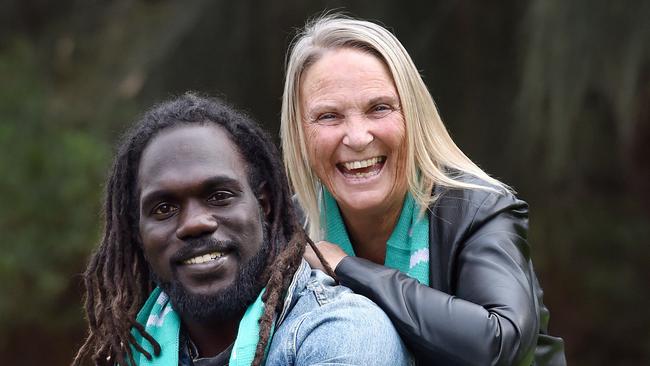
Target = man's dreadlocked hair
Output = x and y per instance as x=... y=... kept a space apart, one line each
x=118 y=279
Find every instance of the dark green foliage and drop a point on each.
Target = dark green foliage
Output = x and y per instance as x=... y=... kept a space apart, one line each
x=50 y=190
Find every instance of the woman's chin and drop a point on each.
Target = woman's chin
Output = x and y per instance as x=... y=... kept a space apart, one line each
x=364 y=194
x=362 y=201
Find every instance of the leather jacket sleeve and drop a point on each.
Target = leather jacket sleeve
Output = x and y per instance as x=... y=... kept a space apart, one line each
x=487 y=311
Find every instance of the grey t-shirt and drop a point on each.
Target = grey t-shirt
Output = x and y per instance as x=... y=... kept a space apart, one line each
x=189 y=354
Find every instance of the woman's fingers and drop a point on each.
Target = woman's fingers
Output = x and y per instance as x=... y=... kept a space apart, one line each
x=331 y=253
x=312 y=259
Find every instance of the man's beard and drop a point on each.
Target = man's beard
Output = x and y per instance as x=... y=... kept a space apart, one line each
x=229 y=302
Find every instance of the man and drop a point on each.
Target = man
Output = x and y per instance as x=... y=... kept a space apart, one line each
x=201 y=259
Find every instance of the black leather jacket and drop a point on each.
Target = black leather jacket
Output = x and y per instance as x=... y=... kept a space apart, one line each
x=484 y=304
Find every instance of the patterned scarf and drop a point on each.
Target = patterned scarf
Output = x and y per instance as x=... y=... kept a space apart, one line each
x=407 y=249
x=164 y=324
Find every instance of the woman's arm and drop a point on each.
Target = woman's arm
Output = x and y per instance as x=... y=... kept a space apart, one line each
x=491 y=318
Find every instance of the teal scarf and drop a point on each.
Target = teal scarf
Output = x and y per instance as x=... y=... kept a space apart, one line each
x=407 y=249
x=163 y=324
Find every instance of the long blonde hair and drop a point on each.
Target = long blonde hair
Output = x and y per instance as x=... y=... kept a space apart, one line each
x=430 y=152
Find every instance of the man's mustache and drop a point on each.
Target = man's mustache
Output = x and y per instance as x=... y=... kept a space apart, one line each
x=195 y=246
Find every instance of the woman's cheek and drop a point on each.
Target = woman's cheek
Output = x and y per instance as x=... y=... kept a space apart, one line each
x=311 y=137
x=321 y=145
x=316 y=145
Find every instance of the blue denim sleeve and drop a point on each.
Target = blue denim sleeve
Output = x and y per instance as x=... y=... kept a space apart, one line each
x=350 y=331
x=331 y=325
x=343 y=329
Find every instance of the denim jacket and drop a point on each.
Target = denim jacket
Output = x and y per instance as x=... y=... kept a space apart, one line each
x=325 y=324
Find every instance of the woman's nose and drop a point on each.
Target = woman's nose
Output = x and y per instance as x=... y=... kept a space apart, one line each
x=357 y=133
x=196 y=221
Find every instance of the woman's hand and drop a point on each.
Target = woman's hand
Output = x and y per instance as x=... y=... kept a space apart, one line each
x=331 y=253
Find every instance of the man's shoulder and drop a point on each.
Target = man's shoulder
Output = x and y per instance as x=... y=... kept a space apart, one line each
x=330 y=322
x=312 y=290
x=322 y=296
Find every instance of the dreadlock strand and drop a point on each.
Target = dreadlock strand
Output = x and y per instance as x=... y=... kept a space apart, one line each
x=89 y=300
x=285 y=267
x=83 y=350
x=131 y=292
x=296 y=249
x=132 y=358
x=112 y=345
x=132 y=341
x=319 y=255
x=274 y=290
x=152 y=341
x=97 y=308
x=108 y=308
x=123 y=303
x=102 y=355
x=266 y=321
x=92 y=320
x=115 y=274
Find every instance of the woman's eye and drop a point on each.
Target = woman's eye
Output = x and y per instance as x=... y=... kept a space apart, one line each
x=381 y=110
x=220 y=197
x=326 y=117
x=164 y=209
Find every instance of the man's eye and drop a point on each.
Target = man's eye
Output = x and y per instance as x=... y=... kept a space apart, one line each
x=164 y=209
x=220 y=197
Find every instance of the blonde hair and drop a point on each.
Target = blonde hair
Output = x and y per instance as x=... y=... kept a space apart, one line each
x=430 y=152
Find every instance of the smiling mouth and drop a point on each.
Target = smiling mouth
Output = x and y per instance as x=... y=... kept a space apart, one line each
x=362 y=168
x=204 y=258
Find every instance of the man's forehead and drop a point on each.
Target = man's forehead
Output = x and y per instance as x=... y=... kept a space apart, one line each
x=202 y=150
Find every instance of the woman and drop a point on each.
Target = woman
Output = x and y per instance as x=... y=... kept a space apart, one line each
x=409 y=220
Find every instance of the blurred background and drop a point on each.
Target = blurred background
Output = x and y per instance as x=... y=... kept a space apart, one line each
x=551 y=96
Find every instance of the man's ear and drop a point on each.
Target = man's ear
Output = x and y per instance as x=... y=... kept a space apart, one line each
x=264 y=199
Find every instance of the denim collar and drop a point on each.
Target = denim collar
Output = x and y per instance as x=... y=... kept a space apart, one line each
x=298 y=283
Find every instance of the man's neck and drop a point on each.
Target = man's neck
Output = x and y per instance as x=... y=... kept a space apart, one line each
x=212 y=337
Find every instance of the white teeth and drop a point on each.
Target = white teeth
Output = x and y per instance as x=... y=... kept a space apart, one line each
x=203 y=258
x=362 y=163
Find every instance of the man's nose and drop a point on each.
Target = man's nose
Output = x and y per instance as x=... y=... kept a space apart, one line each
x=357 y=133
x=196 y=221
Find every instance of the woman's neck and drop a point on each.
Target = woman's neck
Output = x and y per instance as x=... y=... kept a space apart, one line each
x=369 y=231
